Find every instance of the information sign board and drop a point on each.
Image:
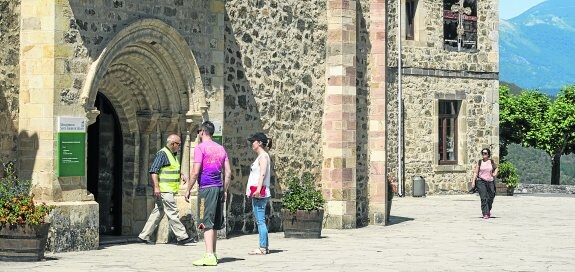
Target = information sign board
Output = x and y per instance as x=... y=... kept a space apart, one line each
x=71 y=146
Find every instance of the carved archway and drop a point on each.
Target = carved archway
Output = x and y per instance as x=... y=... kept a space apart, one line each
x=152 y=80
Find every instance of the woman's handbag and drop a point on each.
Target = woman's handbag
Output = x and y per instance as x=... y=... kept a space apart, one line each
x=473 y=190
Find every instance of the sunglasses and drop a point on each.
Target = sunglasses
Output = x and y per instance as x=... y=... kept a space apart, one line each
x=484 y=153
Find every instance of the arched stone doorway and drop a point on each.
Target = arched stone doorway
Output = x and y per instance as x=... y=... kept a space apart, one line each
x=152 y=82
x=104 y=166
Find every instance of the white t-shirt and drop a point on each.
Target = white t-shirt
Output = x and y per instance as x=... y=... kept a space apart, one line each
x=255 y=174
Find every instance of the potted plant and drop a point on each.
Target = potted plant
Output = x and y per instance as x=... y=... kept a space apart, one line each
x=302 y=207
x=23 y=227
x=508 y=175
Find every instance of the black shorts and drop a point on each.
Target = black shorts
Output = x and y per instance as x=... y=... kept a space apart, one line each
x=211 y=208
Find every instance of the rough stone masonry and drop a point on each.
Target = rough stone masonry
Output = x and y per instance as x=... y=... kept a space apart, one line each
x=320 y=77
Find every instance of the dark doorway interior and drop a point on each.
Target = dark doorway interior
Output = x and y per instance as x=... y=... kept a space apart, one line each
x=105 y=166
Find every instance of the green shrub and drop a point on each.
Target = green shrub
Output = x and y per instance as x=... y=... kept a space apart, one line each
x=302 y=193
x=508 y=174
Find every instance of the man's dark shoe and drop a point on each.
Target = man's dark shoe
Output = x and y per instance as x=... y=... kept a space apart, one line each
x=147 y=242
x=187 y=241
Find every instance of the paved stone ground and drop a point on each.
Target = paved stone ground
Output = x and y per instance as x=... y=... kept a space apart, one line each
x=434 y=233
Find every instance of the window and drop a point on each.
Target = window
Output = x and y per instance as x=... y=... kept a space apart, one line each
x=413 y=25
x=448 y=112
x=460 y=25
x=410 y=6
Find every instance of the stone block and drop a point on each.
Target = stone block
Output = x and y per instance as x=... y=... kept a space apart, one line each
x=378 y=155
x=217 y=6
x=350 y=196
x=137 y=226
x=377 y=218
x=335 y=207
x=31 y=23
x=349 y=221
x=333 y=221
x=217 y=57
x=74 y=226
x=140 y=211
x=30 y=51
x=336 y=194
x=163 y=233
x=76 y=194
x=62 y=51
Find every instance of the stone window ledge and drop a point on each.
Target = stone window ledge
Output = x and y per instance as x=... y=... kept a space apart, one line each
x=412 y=43
x=449 y=168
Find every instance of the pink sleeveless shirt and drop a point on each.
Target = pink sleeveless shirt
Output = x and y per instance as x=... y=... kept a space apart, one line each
x=486 y=170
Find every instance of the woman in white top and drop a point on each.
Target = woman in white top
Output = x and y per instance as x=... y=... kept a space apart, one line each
x=258 y=188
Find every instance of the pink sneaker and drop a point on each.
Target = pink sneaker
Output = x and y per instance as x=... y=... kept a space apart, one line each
x=489 y=213
x=486 y=216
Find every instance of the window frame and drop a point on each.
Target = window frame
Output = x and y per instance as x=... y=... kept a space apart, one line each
x=442 y=130
x=469 y=41
x=410 y=10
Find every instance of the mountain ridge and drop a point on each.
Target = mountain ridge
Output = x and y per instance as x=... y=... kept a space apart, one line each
x=535 y=47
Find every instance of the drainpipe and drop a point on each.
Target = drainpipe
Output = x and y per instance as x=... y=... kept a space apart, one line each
x=399 y=107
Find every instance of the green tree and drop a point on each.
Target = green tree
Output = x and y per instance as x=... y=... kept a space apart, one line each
x=532 y=119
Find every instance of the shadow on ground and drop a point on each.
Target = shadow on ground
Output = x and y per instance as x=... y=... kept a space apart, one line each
x=398 y=220
x=229 y=260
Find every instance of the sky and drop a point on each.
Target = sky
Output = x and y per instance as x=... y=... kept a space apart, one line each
x=511 y=8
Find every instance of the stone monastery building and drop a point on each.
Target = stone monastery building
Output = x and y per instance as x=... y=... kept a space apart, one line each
x=90 y=90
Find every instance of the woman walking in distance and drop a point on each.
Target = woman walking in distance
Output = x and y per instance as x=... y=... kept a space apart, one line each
x=258 y=188
x=484 y=174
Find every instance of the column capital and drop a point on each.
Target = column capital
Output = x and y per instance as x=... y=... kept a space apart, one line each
x=169 y=122
x=191 y=122
x=147 y=121
x=92 y=115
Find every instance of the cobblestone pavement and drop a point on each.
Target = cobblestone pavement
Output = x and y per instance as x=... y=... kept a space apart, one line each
x=434 y=233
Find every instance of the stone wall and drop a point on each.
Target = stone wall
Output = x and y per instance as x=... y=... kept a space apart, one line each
x=524 y=188
x=263 y=68
x=478 y=123
x=60 y=42
x=9 y=79
x=274 y=82
x=73 y=227
x=362 y=76
x=91 y=25
x=476 y=126
x=430 y=73
x=428 y=52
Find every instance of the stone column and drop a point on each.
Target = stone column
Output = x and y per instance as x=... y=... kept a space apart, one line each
x=339 y=119
x=377 y=120
x=188 y=211
x=36 y=99
x=185 y=170
x=43 y=54
x=147 y=123
x=188 y=126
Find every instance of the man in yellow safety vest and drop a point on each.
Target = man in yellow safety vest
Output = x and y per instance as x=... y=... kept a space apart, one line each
x=165 y=172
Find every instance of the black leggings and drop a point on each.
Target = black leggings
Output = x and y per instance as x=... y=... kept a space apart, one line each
x=487 y=194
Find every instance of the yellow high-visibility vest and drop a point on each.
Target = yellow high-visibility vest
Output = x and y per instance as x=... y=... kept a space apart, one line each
x=169 y=176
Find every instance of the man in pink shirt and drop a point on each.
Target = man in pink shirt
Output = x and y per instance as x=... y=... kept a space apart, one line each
x=210 y=161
